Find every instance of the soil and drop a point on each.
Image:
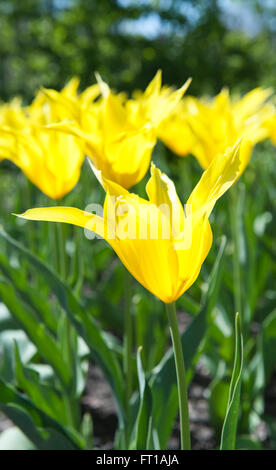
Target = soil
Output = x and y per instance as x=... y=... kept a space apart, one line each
x=98 y=401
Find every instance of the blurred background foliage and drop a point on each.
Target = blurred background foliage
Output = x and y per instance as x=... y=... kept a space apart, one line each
x=217 y=42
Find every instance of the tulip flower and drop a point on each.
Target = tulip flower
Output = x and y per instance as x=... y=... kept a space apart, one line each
x=70 y=104
x=116 y=147
x=12 y=116
x=175 y=131
x=219 y=123
x=111 y=129
x=51 y=160
x=161 y=243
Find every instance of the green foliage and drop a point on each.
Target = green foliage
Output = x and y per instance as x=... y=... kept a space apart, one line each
x=144 y=417
x=229 y=430
x=46 y=43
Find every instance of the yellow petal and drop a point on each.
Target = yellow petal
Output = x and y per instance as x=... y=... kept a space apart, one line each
x=251 y=102
x=104 y=88
x=154 y=86
x=114 y=119
x=71 y=87
x=153 y=263
x=161 y=191
x=68 y=215
x=190 y=260
x=220 y=175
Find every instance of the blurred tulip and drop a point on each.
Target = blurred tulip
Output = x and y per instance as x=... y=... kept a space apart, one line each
x=51 y=160
x=113 y=128
x=13 y=117
x=176 y=132
x=217 y=124
x=121 y=150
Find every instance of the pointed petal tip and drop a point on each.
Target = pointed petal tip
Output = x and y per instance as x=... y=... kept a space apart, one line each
x=96 y=171
x=104 y=87
x=152 y=166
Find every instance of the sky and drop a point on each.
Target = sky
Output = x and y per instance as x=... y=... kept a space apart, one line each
x=237 y=15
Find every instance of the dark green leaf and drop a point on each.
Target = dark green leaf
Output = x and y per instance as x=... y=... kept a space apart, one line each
x=144 y=418
x=29 y=294
x=43 y=431
x=38 y=334
x=42 y=395
x=229 y=430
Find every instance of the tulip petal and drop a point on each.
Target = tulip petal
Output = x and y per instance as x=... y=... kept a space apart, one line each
x=251 y=102
x=220 y=175
x=161 y=191
x=191 y=259
x=69 y=215
x=154 y=86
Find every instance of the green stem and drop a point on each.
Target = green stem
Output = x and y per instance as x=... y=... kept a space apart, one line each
x=54 y=245
x=70 y=350
x=128 y=344
x=235 y=228
x=181 y=378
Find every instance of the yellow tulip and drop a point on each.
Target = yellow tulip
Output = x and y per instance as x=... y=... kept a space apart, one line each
x=113 y=128
x=12 y=116
x=157 y=102
x=161 y=243
x=218 y=123
x=117 y=147
x=176 y=132
x=50 y=159
x=70 y=104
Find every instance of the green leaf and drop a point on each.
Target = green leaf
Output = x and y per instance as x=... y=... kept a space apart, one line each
x=144 y=419
x=38 y=334
x=218 y=401
x=84 y=324
x=68 y=340
x=6 y=320
x=87 y=430
x=163 y=381
x=229 y=430
x=29 y=294
x=268 y=344
x=42 y=395
x=26 y=348
x=45 y=432
x=247 y=443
